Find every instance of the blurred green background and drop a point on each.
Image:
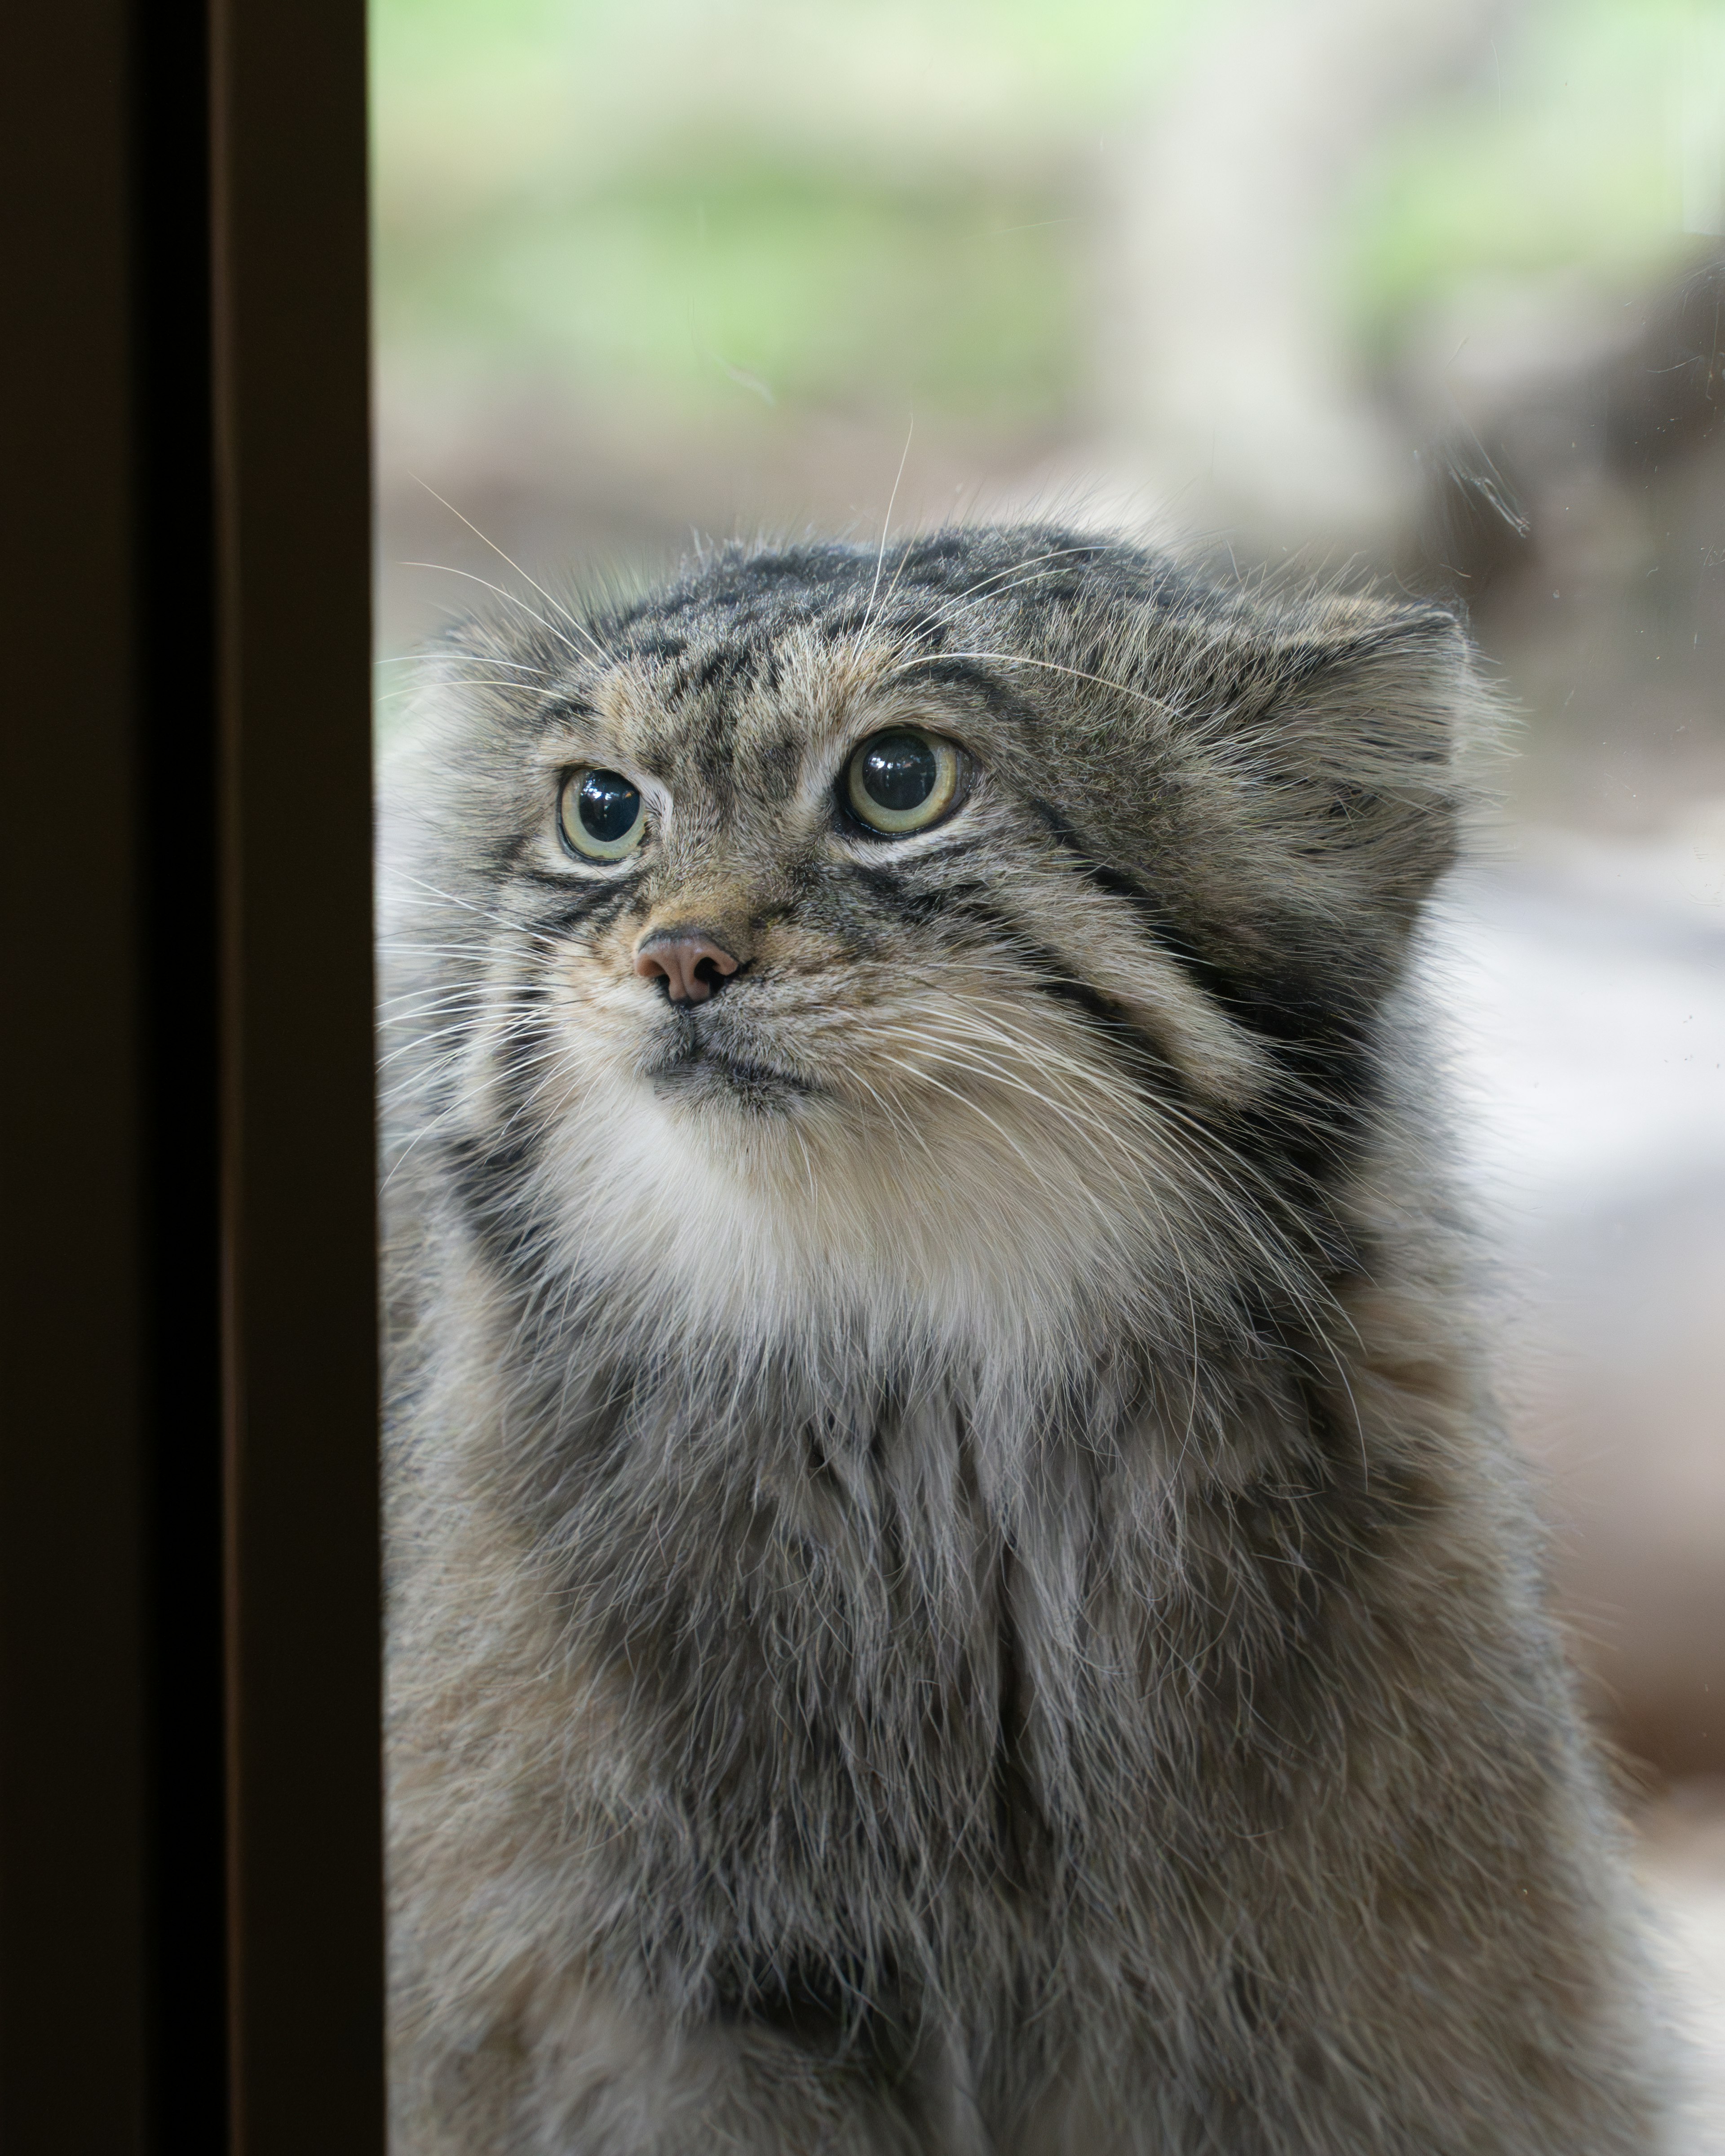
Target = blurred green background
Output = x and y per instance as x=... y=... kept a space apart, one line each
x=852 y=205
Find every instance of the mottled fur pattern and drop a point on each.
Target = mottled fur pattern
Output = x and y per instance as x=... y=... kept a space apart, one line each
x=955 y=1585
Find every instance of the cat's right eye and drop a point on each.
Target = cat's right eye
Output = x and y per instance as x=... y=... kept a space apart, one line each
x=902 y=781
x=601 y=816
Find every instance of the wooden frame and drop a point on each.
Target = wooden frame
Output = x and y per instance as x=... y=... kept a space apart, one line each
x=191 y=1929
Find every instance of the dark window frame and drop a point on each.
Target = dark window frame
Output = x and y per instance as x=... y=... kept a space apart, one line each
x=191 y=1922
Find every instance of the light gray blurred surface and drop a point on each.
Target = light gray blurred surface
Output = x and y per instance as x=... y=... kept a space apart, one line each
x=1680 y=1862
x=1585 y=978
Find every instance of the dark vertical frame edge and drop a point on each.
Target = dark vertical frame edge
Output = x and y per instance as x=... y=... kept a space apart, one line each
x=73 y=1433
x=293 y=557
x=191 y=1931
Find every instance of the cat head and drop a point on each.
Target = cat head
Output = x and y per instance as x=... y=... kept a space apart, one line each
x=999 y=920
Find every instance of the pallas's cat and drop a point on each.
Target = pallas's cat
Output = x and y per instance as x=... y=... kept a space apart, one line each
x=955 y=1583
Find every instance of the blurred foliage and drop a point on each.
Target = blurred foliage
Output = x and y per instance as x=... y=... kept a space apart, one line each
x=786 y=281
x=1564 y=155
x=845 y=204
x=867 y=205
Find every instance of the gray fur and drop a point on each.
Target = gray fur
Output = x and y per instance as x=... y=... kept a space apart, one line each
x=955 y=1582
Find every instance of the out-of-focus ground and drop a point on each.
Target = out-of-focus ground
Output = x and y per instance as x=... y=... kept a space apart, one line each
x=1584 y=979
x=1431 y=290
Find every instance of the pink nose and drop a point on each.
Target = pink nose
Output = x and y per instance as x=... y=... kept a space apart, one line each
x=690 y=965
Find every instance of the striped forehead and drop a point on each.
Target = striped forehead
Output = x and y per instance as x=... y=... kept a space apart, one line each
x=741 y=710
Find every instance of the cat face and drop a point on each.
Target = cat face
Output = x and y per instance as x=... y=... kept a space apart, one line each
x=1002 y=918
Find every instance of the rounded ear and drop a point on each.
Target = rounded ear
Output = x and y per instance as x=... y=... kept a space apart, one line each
x=1362 y=712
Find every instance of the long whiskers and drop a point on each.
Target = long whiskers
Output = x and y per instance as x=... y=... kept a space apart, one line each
x=468 y=906
x=509 y=597
x=575 y=623
x=1124 y=1128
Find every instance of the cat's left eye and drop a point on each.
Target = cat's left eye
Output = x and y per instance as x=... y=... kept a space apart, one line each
x=601 y=816
x=902 y=781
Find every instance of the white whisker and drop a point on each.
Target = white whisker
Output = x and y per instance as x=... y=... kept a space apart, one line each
x=509 y=598
x=886 y=524
x=578 y=626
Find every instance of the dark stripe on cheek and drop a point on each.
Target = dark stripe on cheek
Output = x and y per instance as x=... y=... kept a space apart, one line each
x=1214 y=980
x=970 y=903
x=1297 y=1140
x=1135 y=1051
x=1319 y=1026
x=589 y=910
x=1293 y=1156
x=913 y=902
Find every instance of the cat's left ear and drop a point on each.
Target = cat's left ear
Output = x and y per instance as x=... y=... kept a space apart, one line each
x=1362 y=718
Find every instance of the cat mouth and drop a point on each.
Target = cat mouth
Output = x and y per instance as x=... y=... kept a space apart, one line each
x=696 y=1065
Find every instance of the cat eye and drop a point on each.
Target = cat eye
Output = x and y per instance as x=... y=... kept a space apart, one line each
x=602 y=816
x=902 y=781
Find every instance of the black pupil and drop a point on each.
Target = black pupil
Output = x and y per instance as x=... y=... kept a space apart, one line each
x=609 y=806
x=899 y=771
